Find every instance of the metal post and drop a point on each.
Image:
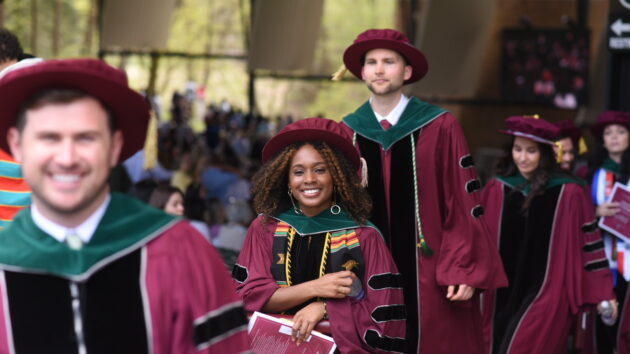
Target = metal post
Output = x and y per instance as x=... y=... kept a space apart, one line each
x=251 y=87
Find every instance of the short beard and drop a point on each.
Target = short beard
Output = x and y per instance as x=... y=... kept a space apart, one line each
x=387 y=91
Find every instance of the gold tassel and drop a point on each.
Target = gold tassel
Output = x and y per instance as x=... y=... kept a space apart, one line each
x=535 y=116
x=151 y=142
x=339 y=74
x=560 y=152
x=583 y=148
x=364 y=173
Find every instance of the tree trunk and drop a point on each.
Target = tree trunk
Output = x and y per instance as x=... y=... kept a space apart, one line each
x=1 y=13
x=56 y=28
x=205 y=78
x=34 y=23
x=407 y=17
x=153 y=71
x=89 y=29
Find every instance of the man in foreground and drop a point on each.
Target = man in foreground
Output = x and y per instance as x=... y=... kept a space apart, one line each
x=84 y=270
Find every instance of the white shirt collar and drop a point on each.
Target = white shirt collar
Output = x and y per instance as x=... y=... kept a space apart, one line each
x=85 y=230
x=395 y=114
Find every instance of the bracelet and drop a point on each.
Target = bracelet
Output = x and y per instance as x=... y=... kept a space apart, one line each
x=325 y=311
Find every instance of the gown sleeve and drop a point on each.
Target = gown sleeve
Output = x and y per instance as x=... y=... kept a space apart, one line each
x=466 y=254
x=209 y=316
x=252 y=271
x=375 y=323
x=592 y=280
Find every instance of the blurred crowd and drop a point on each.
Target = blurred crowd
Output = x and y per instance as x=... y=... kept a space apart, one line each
x=203 y=176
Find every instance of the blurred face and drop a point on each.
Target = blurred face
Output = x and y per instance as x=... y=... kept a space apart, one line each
x=384 y=71
x=310 y=181
x=175 y=204
x=568 y=153
x=186 y=163
x=526 y=156
x=615 y=139
x=66 y=151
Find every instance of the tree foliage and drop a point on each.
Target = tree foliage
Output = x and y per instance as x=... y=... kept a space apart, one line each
x=211 y=27
x=73 y=26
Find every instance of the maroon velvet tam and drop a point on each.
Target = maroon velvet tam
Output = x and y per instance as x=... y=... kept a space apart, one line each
x=568 y=130
x=311 y=130
x=387 y=39
x=94 y=77
x=531 y=128
x=610 y=117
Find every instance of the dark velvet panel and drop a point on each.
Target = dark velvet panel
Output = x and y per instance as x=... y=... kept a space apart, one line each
x=594 y=246
x=239 y=273
x=473 y=186
x=387 y=344
x=477 y=211
x=400 y=236
x=524 y=246
x=222 y=324
x=114 y=315
x=371 y=151
x=389 y=313
x=597 y=265
x=590 y=227
x=466 y=162
x=385 y=281
x=110 y=305
x=306 y=257
x=41 y=313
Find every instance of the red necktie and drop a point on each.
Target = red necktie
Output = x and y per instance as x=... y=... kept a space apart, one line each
x=386 y=124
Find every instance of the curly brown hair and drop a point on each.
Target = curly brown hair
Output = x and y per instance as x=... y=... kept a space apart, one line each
x=270 y=183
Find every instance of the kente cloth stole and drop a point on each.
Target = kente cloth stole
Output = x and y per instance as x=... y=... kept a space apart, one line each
x=344 y=253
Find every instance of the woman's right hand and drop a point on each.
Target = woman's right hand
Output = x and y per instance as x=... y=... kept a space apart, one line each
x=334 y=285
x=330 y=286
x=607 y=209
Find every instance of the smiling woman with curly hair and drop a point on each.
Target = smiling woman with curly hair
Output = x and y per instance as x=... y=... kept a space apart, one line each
x=311 y=252
x=271 y=182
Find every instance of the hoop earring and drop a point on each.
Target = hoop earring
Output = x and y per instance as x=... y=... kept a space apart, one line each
x=334 y=208
x=295 y=208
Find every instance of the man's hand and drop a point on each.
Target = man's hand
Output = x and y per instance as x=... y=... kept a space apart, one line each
x=305 y=320
x=460 y=292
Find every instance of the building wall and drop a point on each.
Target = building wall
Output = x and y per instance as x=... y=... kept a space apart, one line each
x=481 y=110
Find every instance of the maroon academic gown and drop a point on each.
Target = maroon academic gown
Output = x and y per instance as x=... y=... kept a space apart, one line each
x=356 y=326
x=145 y=283
x=451 y=219
x=555 y=262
